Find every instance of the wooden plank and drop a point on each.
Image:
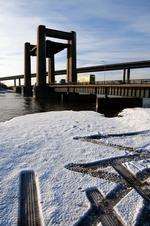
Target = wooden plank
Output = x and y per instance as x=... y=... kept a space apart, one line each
x=105 y=143
x=29 y=210
x=99 y=211
x=133 y=182
x=143 y=218
x=109 y=161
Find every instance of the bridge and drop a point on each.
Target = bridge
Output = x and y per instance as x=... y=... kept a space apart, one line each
x=45 y=50
x=125 y=88
x=96 y=68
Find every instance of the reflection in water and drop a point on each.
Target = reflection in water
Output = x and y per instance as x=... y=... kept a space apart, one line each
x=12 y=105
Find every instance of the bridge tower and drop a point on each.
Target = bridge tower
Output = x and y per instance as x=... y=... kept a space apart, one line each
x=27 y=89
x=47 y=49
x=42 y=49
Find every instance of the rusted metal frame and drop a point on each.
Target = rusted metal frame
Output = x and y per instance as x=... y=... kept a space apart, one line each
x=58 y=34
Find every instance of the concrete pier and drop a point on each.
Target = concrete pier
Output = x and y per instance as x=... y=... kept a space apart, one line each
x=78 y=98
x=116 y=104
x=18 y=89
x=46 y=92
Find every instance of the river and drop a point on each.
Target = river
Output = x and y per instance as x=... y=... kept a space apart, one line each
x=13 y=104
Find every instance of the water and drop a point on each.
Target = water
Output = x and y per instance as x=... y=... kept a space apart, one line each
x=13 y=104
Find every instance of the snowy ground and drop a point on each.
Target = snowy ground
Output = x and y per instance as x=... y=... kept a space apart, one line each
x=44 y=142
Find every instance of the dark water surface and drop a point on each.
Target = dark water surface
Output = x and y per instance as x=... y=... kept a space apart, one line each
x=12 y=105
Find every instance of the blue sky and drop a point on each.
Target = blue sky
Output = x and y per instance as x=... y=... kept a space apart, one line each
x=108 y=31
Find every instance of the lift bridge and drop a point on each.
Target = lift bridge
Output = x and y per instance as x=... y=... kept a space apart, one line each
x=45 y=50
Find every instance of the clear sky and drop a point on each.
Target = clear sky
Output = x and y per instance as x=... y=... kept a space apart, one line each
x=108 y=31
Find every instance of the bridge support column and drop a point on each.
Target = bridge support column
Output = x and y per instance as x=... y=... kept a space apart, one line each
x=19 y=81
x=124 y=76
x=16 y=88
x=71 y=59
x=128 y=75
x=51 y=70
x=41 y=89
x=27 y=89
x=15 y=83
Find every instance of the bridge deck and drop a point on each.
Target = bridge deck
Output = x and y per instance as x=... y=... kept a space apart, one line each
x=123 y=90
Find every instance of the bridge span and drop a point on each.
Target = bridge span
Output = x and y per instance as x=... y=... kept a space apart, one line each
x=125 y=67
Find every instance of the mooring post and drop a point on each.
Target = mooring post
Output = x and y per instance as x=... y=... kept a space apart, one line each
x=41 y=57
x=27 y=89
x=51 y=69
x=124 y=75
x=128 y=75
x=71 y=60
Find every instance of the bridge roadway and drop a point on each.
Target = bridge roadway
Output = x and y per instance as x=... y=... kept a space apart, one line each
x=123 y=90
x=97 y=68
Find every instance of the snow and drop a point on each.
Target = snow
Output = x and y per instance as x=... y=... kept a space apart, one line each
x=44 y=142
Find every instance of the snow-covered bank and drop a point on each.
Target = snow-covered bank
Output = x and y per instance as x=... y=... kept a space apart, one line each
x=44 y=142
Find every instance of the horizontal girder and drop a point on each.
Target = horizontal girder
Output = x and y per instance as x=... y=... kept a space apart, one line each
x=98 y=68
x=51 y=48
